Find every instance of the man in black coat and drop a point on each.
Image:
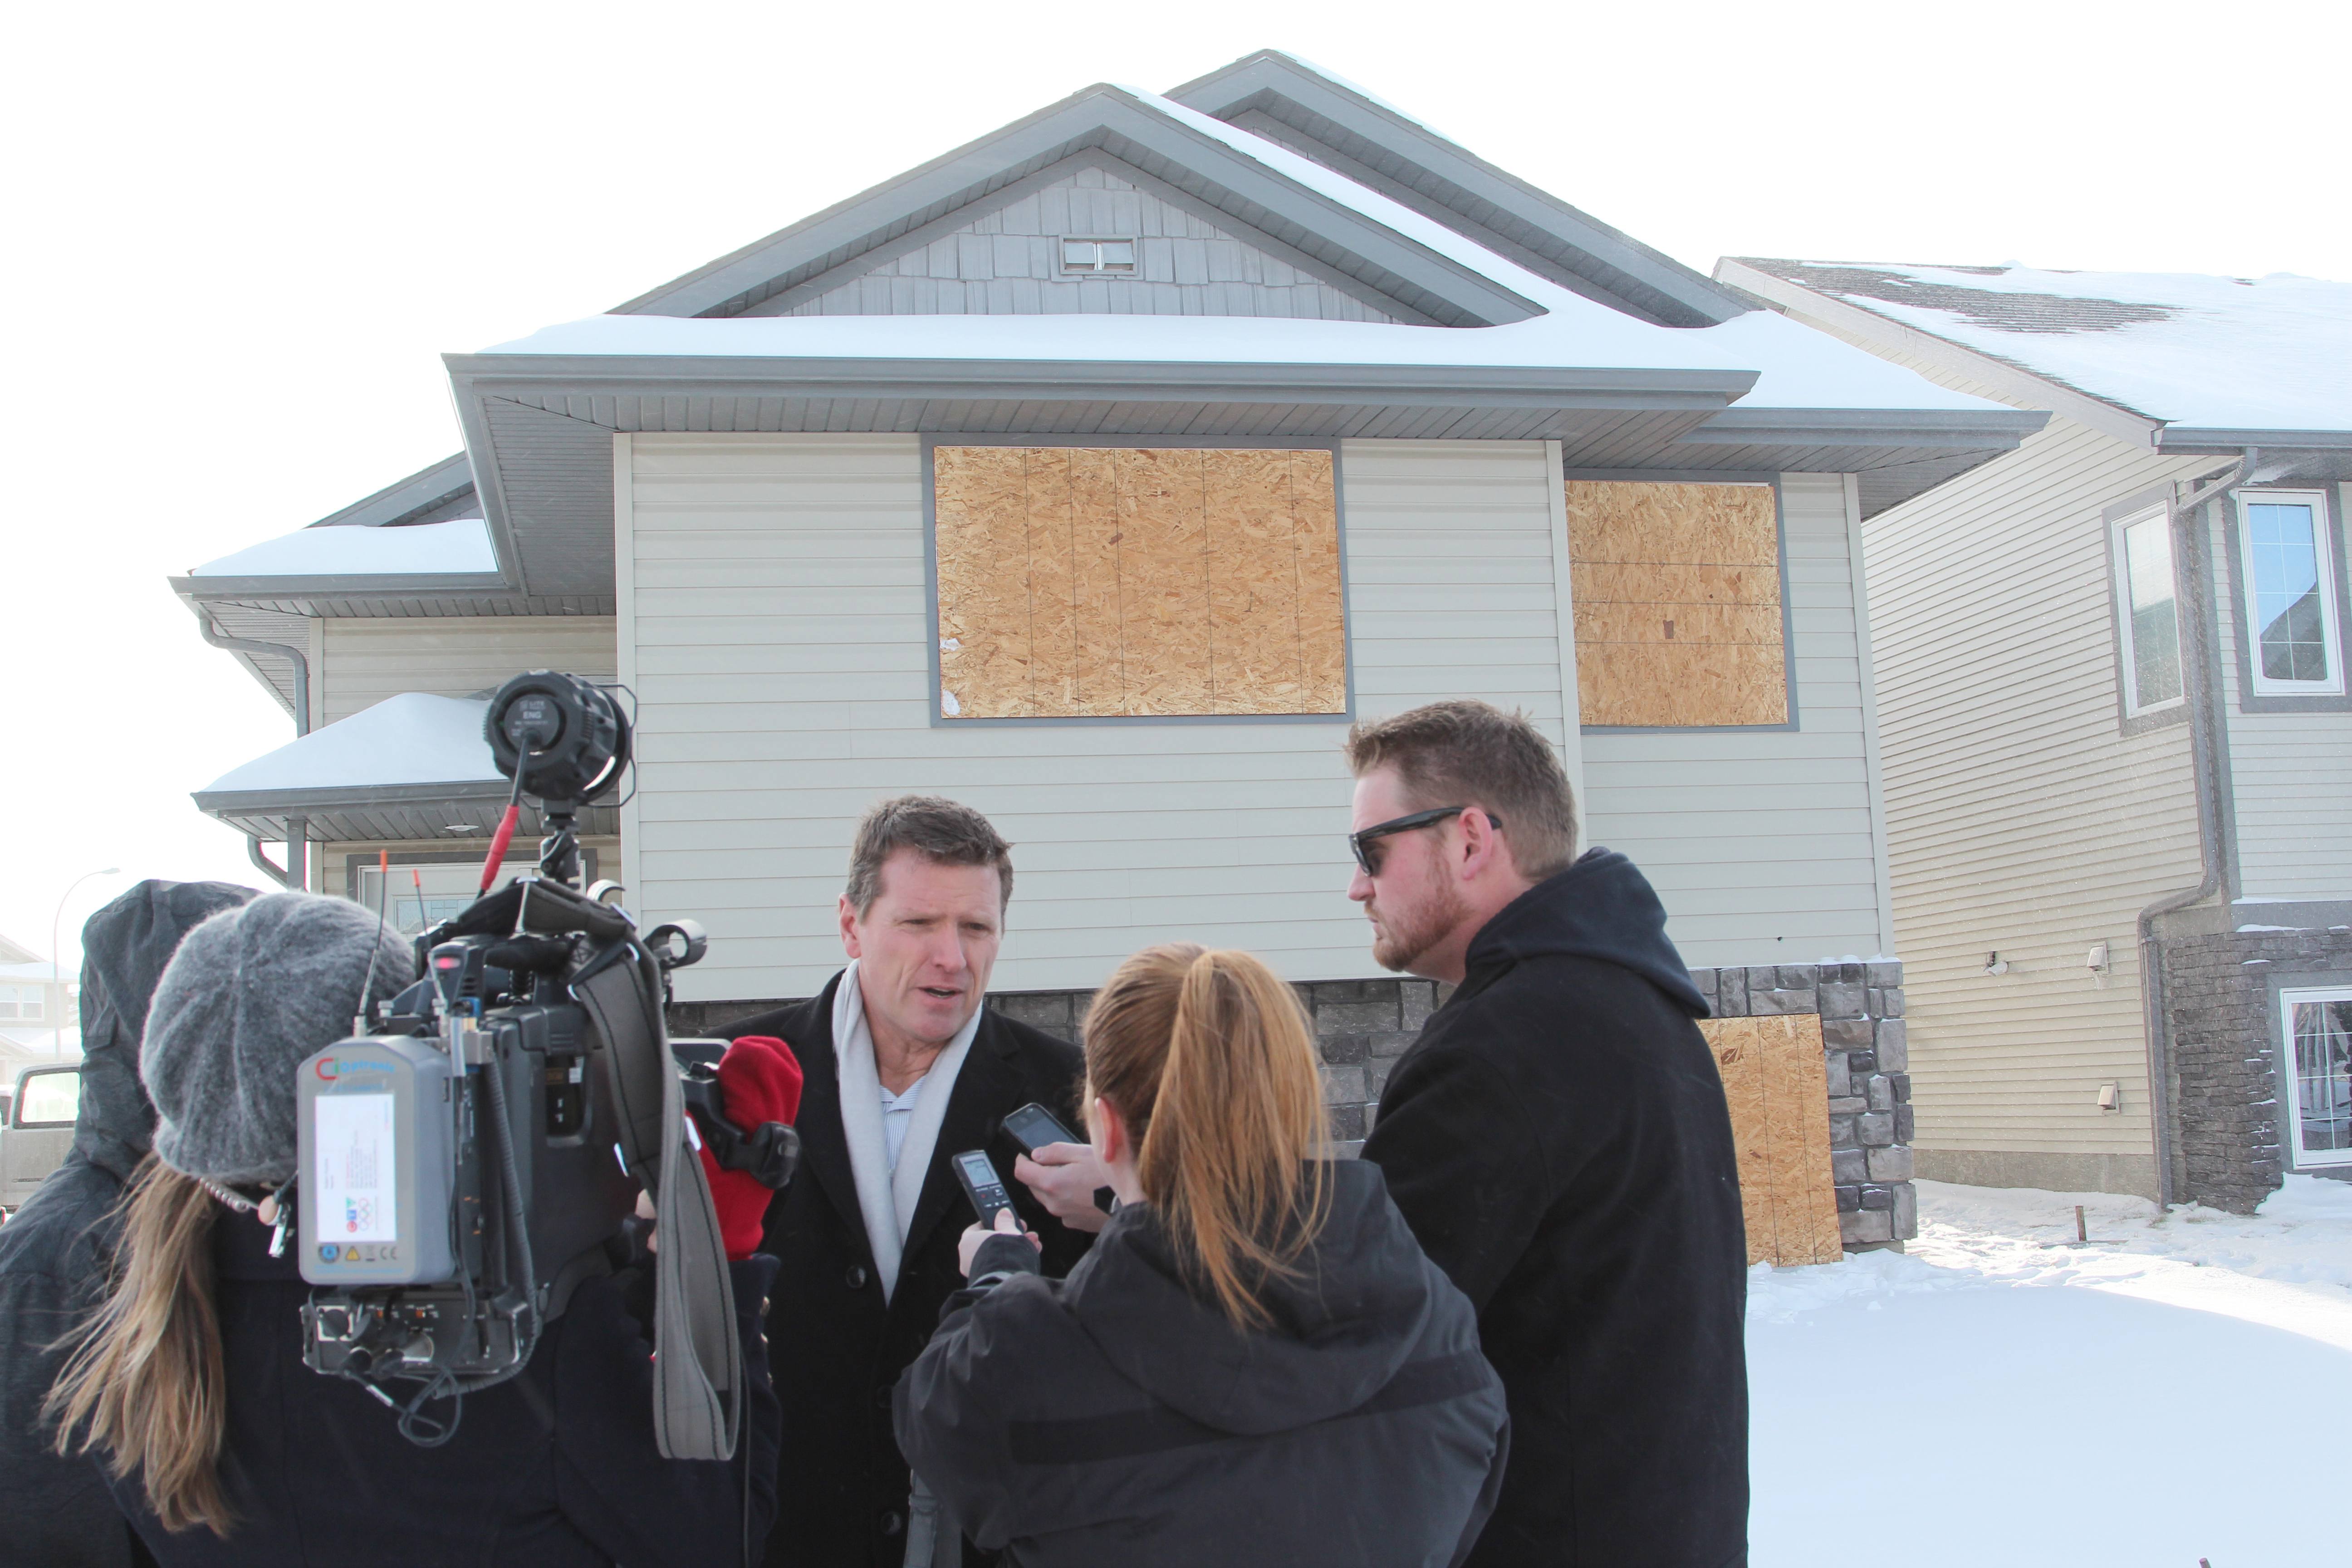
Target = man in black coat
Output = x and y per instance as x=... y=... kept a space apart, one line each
x=54 y=1255
x=904 y=1069
x=1558 y=1140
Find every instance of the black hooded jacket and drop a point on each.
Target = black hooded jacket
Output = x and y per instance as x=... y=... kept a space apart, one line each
x=1559 y=1142
x=55 y=1254
x=1118 y=1416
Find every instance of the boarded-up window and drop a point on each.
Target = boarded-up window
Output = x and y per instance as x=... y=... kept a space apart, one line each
x=1084 y=582
x=1678 y=592
x=1778 y=1087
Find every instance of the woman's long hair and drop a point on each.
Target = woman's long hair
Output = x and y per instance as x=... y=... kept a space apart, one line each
x=145 y=1380
x=1208 y=1057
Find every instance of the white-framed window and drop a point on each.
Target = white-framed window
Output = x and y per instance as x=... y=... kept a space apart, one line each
x=21 y=1004
x=2290 y=593
x=1099 y=255
x=2148 y=613
x=2317 y=1026
x=420 y=896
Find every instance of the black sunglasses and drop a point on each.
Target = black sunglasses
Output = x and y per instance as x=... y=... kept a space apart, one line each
x=1367 y=850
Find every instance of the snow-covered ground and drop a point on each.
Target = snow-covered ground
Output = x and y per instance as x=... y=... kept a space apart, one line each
x=2177 y=1388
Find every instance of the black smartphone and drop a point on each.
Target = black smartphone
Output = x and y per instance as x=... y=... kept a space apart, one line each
x=982 y=1184
x=1033 y=1126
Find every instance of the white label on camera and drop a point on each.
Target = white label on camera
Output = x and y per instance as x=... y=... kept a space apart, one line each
x=357 y=1182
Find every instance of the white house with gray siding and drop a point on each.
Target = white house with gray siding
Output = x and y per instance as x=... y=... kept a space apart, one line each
x=1098 y=474
x=2116 y=727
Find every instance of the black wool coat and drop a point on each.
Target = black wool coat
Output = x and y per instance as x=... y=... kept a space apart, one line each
x=1559 y=1142
x=835 y=1347
x=56 y=1254
x=1119 y=1416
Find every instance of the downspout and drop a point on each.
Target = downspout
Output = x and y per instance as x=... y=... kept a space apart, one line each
x=295 y=872
x=2205 y=740
x=269 y=868
x=296 y=656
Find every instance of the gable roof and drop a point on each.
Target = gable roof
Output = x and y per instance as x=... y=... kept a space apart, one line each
x=1119 y=123
x=1336 y=123
x=1529 y=320
x=2198 y=362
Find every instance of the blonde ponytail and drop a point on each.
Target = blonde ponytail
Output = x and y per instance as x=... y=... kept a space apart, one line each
x=1208 y=1057
x=145 y=1376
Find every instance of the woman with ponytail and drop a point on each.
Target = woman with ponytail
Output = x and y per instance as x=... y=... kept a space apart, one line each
x=1254 y=1364
x=187 y=1386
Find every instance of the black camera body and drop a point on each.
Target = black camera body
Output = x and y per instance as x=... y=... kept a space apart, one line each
x=472 y=1155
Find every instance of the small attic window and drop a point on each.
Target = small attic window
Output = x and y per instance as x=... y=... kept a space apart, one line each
x=1099 y=256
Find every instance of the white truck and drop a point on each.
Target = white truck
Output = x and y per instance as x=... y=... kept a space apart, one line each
x=37 y=1129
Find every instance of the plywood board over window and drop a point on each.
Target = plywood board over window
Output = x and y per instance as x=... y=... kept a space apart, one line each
x=1777 y=1084
x=1117 y=582
x=1678 y=591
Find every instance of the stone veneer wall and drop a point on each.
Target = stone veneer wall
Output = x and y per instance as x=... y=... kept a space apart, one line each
x=1363 y=1026
x=2226 y=1069
x=1866 y=1051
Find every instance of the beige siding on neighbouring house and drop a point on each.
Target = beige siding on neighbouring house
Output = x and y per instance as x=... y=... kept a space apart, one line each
x=773 y=601
x=2020 y=819
x=2290 y=773
x=365 y=661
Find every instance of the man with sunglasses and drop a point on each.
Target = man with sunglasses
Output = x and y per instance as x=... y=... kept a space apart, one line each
x=1558 y=1140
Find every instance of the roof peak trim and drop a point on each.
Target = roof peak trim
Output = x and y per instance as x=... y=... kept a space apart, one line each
x=1339 y=124
x=1136 y=131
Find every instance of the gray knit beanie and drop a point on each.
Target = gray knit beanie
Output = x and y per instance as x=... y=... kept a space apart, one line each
x=249 y=994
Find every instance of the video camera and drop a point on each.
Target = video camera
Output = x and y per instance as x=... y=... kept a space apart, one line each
x=473 y=1153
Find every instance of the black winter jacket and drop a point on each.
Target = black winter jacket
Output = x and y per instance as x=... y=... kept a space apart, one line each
x=556 y=1469
x=54 y=1255
x=1558 y=1140
x=835 y=1347
x=1119 y=1416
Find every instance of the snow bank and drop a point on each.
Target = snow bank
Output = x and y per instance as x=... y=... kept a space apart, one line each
x=2003 y=1394
x=424 y=549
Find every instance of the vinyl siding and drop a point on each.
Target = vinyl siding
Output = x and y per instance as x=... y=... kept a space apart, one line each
x=1760 y=841
x=1008 y=262
x=775 y=613
x=2020 y=819
x=2290 y=773
x=368 y=660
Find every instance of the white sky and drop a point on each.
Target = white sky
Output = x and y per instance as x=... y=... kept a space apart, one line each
x=241 y=237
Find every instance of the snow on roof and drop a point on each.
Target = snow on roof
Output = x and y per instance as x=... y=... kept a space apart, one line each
x=412 y=738
x=424 y=549
x=2258 y=353
x=42 y=971
x=1798 y=367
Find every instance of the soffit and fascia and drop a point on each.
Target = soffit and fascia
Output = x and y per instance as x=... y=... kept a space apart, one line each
x=372 y=813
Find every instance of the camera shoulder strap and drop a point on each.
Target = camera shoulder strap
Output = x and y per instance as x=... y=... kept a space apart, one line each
x=697 y=1360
